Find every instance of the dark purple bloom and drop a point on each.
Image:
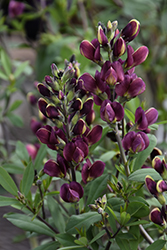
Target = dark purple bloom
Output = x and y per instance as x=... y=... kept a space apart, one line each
x=15 y=8
x=119 y=47
x=43 y=90
x=101 y=36
x=42 y=104
x=71 y=192
x=51 y=136
x=161 y=186
x=130 y=87
x=76 y=150
x=143 y=119
x=92 y=171
x=111 y=111
x=91 y=50
x=156 y=216
x=135 y=142
x=35 y=124
x=32 y=98
x=160 y=166
x=58 y=169
x=94 y=135
x=135 y=58
x=52 y=112
x=90 y=117
x=131 y=30
x=108 y=74
x=80 y=127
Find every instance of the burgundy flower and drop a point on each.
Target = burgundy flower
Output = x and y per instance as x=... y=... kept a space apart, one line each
x=32 y=98
x=52 y=112
x=131 y=30
x=156 y=216
x=161 y=186
x=71 y=192
x=135 y=142
x=91 y=50
x=135 y=58
x=15 y=8
x=130 y=87
x=58 y=169
x=76 y=150
x=92 y=171
x=52 y=136
x=145 y=119
x=108 y=74
x=80 y=127
x=43 y=90
x=111 y=111
x=94 y=135
x=35 y=125
x=42 y=104
x=160 y=166
x=101 y=36
x=119 y=47
x=90 y=117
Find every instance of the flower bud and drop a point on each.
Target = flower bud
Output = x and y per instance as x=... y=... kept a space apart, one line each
x=101 y=36
x=119 y=47
x=32 y=99
x=156 y=217
x=131 y=30
x=71 y=192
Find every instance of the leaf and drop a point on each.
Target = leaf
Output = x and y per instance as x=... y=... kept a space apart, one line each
x=130 y=115
x=3 y=76
x=72 y=247
x=98 y=236
x=20 y=69
x=140 y=174
x=65 y=239
x=22 y=152
x=96 y=188
x=122 y=243
x=82 y=220
x=138 y=209
x=107 y=156
x=142 y=156
x=161 y=122
x=7 y=182
x=28 y=179
x=13 y=168
x=7 y=201
x=26 y=223
x=137 y=223
x=16 y=120
x=81 y=241
x=48 y=246
x=5 y=61
x=15 y=105
x=38 y=164
x=157 y=245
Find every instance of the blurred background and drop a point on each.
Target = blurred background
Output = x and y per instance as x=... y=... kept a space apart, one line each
x=36 y=33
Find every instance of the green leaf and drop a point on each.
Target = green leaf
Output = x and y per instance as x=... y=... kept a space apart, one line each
x=157 y=245
x=162 y=122
x=112 y=219
x=130 y=115
x=72 y=247
x=7 y=182
x=38 y=164
x=7 y=201
x=96 y=188
x=107 y=156
x=142 y=156
x=138 y=209
x=22 y=152
x=48 y=246
x=3 y=76
x=20 y=69
x=82 y=220
x=13 y=168
x=122 y=243
x=65 y=239
x=125 y=217
x=28 y=178
x=140 y=174
x=15 y=105
x=26 y=223
x=81 y=241
x=16 y=120
x=98 y=236
x=5 y=61
x=137 y=223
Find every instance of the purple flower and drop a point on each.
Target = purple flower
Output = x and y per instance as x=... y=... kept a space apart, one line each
x=160 y=166
x=32 y=150
x=161 y=186
x=71 y=192
x=91 y=50
x=111 y=111
x=94 y=135
x=130 y=87
x=131 y=30
x=143 y=119
x=101 y=36
x=135 y=58
x=92 y=171
x=108 y=74
x=15 y=8
x=135 y=142
x=119 y=47
x=58 y=169
x=35 y=125
x=80 y=127
x=76 y=150
x=156 y=216
x=43 y=90
x=53 y=137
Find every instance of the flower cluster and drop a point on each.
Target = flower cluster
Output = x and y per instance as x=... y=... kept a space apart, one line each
x=68 y=99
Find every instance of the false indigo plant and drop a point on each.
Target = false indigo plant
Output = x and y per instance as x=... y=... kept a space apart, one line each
x=97 y=199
